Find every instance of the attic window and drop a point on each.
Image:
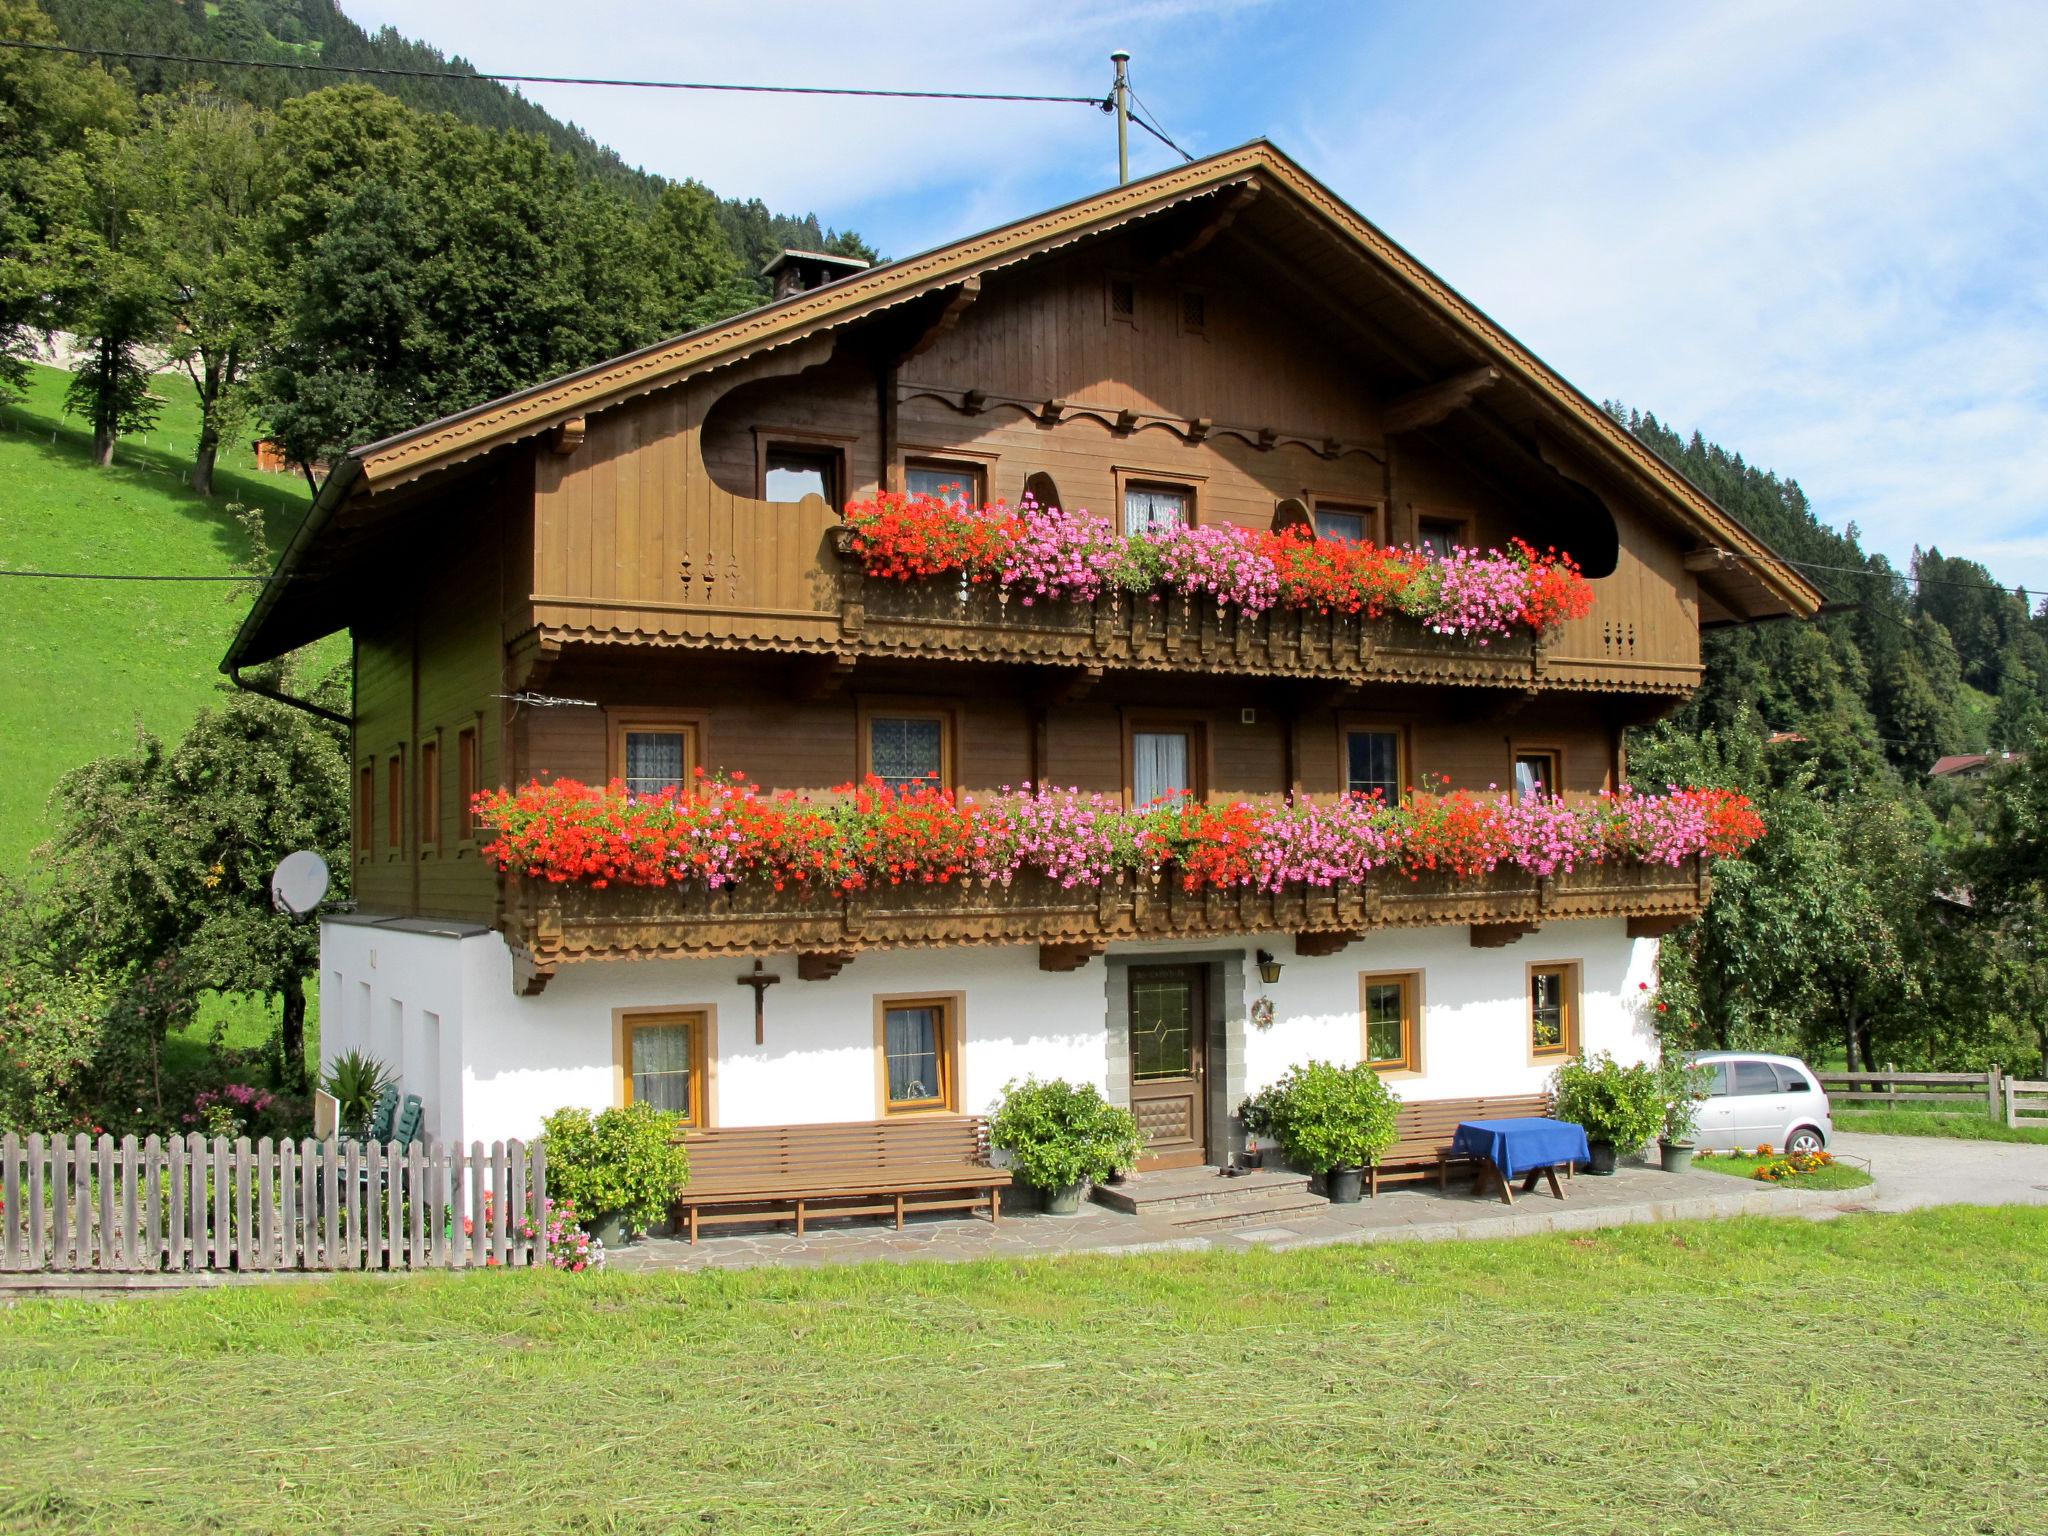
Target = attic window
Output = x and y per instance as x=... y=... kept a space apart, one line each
x=1123 y=300
x=1194 y=312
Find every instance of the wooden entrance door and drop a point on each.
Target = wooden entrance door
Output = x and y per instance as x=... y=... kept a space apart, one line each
x=1169 y=1017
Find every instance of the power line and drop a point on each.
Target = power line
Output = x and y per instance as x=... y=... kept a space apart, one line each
x=1988 y=584
x=511 y=79
x=1159 y=134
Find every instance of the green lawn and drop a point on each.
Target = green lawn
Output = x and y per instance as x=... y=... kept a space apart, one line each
x=1838 y=1176
x=1904 y=1121
x=1752 y=1376
x=88 y=661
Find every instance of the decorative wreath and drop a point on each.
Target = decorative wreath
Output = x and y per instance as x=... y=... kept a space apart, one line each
x=1262 y=1013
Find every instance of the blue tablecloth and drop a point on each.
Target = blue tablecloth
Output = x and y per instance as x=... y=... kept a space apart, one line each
x=1516 y=1146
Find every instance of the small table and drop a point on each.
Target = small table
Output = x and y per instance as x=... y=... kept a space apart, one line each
x=1533 y=1147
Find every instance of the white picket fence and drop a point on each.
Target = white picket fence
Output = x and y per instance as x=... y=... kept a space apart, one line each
x=191 y=1205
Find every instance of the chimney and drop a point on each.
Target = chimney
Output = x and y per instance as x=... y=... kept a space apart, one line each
x=800 y=271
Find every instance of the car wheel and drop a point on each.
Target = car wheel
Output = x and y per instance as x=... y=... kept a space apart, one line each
x=1805 y=1139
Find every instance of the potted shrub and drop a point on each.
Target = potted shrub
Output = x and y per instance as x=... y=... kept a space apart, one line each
x=1620 y=1107
x=1335 y=1121
x=1257 y=1115
x=1683 y=1085
x=624 y=1168
x=1061 y=1136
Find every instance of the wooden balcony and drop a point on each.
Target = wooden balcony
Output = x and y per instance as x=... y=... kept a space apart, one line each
x=804 y=591
x=552 y=925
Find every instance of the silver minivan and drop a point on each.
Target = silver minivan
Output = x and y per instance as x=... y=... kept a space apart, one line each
x=1755 y=1100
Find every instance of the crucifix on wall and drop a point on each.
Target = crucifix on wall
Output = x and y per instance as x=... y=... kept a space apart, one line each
x=760 y=981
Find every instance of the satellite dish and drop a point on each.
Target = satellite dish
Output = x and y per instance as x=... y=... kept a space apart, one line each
x=299 y=882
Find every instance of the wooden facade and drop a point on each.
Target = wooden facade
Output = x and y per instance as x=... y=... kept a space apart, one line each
x=528 y=580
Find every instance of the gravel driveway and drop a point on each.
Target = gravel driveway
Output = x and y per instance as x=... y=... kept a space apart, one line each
x=1915 y=1171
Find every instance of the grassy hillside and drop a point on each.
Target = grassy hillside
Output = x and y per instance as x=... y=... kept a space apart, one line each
x=89 y=661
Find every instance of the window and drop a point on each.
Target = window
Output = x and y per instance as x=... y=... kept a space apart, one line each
x=1536 y=773
x=915 y=1035
x=954 y=482
x=466 y=785
x=1041 y=488
x=1717 y=1078
x=394 y=814
x=1387 y=1010
x=663 y=1062
x=1194 y=312
x=906 y=747
x=430 y=793
x=1151 y=506
x=1440 y=535
x=1791 y=1080
x=1349 y=525
x=1121 y=300
x=1372 y=764
x=1553 y=1009
x=1753 y=1077
x=790 y=472
x=366 y=808
x=1163 y=765
x=654 y=751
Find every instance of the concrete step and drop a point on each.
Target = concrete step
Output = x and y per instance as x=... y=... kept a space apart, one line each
x=1199 y=1189
x=1258 y=1213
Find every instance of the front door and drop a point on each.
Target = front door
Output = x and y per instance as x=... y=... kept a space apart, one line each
x=1169 y=1016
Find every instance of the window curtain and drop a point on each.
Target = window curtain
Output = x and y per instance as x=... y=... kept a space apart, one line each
x=1159 y=765
x=661 y=1068
x=911 y=1042
x=1148 y=509
x=903 y=752
x=654 y=761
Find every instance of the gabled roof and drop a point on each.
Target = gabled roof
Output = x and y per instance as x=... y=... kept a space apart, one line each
x=1752 y=579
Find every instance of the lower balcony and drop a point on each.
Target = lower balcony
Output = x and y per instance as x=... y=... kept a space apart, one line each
x=550 y=925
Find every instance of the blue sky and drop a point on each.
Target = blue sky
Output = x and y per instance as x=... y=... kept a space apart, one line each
x=1814 y=231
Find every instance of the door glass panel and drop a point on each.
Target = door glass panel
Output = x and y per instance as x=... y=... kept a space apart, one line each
x=1717 y=1079
x=662 y=1066
x=912 y=1046
x=1755 y=1077
x=1159 y=766
x=1162 y=1027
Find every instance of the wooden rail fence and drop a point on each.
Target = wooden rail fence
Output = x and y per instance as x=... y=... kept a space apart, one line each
x=191 y=1205
x=1964 y=1092
x=2026 y=1103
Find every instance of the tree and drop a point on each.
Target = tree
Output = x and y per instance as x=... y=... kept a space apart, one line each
x=205 y=165
x=699 y=278
x=2007 y=879
x=165 y=854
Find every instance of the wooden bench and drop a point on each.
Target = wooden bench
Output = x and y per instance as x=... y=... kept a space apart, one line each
x=861 y=1168
x=1423 y=1132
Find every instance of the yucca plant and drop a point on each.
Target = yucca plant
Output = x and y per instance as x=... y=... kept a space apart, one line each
x=356 y=1079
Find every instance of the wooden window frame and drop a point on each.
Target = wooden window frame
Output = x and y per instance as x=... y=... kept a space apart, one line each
x=1109 y=314
x=979 y=469
x=1181 y=295
x=1462 y=521
x=837 y=444
x=899 y=708
x=1521 y=749
x=1200 y=765
x=394 y=813
x=1128 y=478
x=366 y=809
x=427 y=768
x=703 y=1087
x=1402 y=729
x=1372 y=508
x=688 y=723
x=952 y=1032
x=468 y=781
x=1409 y=1063
x=1569 y=1047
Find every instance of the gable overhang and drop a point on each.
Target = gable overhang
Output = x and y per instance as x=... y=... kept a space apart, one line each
x=1741 y=577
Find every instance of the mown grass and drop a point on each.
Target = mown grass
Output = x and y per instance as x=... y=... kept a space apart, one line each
x=1915 y=1122
x=1835 y=1176
x=1870 y=1374
x=87 y=662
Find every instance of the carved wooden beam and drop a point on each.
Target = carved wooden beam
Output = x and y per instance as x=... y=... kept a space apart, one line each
x=532 y=656
x=829 y=674
x=1656 y=927
x=1705 y=560
x=974 y=402
x=1497 y=935
x=1068 y=957
x=1070 y=686
x=529 y=975
x=568 y=437
x=822 y=964
x=1199 y=428
x=1310 y=946
x=1430 y=404
x=1049 y=414
x=1126 y=422
x=1198 y=239
x=959 y=299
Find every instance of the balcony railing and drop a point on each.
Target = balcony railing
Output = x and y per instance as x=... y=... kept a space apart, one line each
x=550 y=925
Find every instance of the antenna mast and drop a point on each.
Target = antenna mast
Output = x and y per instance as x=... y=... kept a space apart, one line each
x=1122 y=96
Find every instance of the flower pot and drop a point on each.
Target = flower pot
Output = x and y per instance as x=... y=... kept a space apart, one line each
x=1676 y=1156
x=1603 y=1157
x=1254 y=1157
x=1344 y=1185
x=1065 y=1201
x=610 y=1229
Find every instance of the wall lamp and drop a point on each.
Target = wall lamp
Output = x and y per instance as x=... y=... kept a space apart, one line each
x=1269 y=968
